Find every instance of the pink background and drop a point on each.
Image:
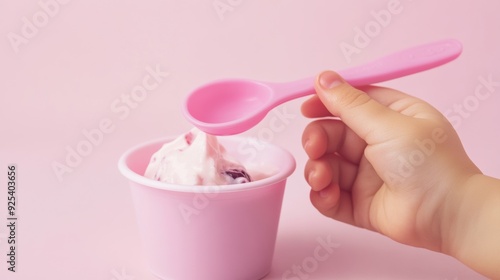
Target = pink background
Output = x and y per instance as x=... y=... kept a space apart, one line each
x=86 y=54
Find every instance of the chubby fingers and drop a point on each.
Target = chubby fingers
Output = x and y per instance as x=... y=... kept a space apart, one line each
x=336 y=191
x=331 y=179
x=363 y=114
x=314 y=108
x=329 y=171
x=388 y=97
x=328 y=136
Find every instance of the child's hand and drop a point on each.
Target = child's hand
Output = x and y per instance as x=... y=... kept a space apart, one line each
x=389 y=164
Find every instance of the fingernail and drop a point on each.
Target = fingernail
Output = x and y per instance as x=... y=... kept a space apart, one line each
x=312 y=173
x=329 y=80
x=307 y=144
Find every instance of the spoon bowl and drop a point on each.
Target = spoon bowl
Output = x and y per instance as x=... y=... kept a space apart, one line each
x=232 y=106
x=229 y=101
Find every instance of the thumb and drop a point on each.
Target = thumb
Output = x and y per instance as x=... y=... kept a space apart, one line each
x=364 y=115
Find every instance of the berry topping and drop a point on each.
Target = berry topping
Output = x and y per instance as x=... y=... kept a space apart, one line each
x=239 y=175
x=189 y=138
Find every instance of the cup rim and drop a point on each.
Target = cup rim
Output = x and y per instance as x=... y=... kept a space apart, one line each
x=285 y=170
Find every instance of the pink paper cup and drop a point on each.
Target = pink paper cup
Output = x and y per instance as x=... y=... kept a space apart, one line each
x=209 y=232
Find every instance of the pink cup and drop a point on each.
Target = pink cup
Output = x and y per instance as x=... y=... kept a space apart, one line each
x=209 y=232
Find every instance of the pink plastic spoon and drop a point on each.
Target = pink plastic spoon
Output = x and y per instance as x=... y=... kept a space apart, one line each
x=232 y=106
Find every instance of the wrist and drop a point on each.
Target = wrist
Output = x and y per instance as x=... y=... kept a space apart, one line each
x=456 y=216
x=471 y=225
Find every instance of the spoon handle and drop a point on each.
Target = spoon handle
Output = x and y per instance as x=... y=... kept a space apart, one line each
x=403 y=63
x=396 y=65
